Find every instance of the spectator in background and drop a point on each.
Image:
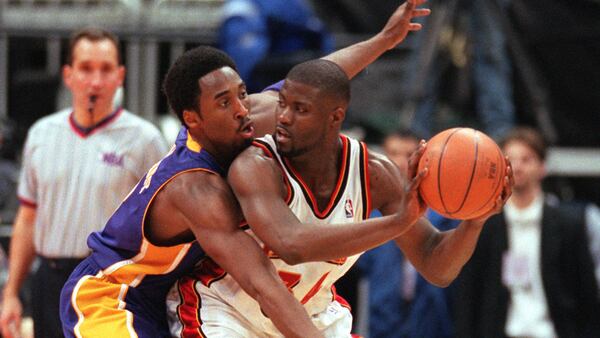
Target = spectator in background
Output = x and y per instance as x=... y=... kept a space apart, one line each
x=490 y=67
x=272 y=35
x=531 y=274
x=9 y=172
x=78 y=164
x=401 y=302
x=592 y=222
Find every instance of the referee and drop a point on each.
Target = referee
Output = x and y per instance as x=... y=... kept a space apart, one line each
x=78 y=164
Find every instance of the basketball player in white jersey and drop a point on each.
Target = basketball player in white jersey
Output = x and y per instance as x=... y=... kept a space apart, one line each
x=307 y=175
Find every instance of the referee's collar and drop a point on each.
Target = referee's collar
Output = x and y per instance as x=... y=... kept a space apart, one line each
x=87 y=131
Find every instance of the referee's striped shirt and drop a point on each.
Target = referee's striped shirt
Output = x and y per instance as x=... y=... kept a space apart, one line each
x=75 y=180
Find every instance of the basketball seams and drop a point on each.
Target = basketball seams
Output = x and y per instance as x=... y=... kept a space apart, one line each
x=476 y=139
x=462 y=181
x=439 y=171
x=494 y=194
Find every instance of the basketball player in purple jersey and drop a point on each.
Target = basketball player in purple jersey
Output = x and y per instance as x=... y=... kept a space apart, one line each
x=306 y=175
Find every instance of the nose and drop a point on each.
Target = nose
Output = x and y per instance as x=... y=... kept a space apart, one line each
x=96 y=79
x=284 y=116
x=241 y=110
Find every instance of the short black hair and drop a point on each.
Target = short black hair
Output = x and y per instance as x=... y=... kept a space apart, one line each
x=325 y=75
x=93 y=34
x=181 y=82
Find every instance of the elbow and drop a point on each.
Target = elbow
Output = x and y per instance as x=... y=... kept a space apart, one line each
x=291 y=251
x=291 y=255
x=441 y=280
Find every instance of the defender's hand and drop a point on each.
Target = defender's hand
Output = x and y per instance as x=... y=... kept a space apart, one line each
x=509 y=182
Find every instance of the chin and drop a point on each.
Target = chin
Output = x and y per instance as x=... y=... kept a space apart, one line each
x=242 y=145
x=247 y=142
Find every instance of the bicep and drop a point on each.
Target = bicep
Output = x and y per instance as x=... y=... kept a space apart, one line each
x=259 y=188
x=218 y=232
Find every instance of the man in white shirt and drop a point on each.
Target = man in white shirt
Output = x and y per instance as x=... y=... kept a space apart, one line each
x=78 y=165
x=532 y=273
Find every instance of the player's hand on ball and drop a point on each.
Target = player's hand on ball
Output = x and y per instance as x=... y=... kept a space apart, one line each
x=501 y=200
x=414 y=206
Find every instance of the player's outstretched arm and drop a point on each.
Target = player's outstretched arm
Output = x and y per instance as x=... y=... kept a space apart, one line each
x=352 y=59
x=357 y=57
x=440 y=256
x=258 y=184
x=215 y=224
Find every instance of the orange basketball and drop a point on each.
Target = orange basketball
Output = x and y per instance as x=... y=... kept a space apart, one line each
x=466 y=171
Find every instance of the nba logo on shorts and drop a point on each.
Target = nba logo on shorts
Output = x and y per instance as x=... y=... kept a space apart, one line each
x=349 y=209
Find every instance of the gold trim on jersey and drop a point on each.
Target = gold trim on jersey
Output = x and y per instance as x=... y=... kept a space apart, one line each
x=191 y=144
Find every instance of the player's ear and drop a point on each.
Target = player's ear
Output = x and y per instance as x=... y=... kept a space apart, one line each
x=191 y=118
x=338 y=115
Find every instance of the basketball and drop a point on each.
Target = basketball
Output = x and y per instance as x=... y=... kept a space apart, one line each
x=466 y=171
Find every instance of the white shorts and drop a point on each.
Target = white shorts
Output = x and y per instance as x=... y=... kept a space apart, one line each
x=217 y=319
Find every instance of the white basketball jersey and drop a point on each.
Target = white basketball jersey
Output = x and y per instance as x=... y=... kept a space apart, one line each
x=311 y=283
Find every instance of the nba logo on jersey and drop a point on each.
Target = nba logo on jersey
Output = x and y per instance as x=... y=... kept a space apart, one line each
x=349 y=209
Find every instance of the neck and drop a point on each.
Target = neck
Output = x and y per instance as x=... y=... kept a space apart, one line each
x=522 y=198
x=88 y=119
x=319 y=162
x=221 y=155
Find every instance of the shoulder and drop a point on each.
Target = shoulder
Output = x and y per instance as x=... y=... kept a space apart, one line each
x=144 y=126
x=145 y=132
x=255 y=168
x=382 y=168
x=203 y=198
x=49 y=122
x=263 y=107
x=569 y=214
x=198 y=184
x=257 y=155
x=385 y=179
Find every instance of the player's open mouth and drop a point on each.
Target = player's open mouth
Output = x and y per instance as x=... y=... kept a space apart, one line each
x=247 y=130
x=282 y=135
